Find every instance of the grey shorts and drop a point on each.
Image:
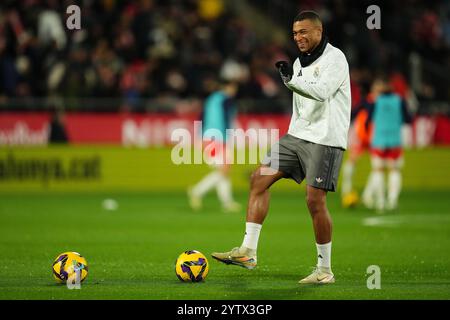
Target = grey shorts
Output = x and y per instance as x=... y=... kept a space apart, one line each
x=298 y=159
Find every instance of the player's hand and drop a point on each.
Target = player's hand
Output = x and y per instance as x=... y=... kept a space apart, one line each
x=285 y=70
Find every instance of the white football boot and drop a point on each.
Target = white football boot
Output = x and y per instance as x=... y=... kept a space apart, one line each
x=320 y=275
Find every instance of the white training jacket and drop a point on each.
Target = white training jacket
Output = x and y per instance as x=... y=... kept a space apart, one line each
x=321 y=99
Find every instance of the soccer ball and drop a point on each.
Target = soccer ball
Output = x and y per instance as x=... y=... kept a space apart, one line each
x=191 y=266
x=66 y=265
x=350 y=200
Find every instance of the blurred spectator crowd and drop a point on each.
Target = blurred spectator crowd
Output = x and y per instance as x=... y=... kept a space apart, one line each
x=156 y=55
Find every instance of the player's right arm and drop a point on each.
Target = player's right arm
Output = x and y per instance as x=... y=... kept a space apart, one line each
x=332 y=74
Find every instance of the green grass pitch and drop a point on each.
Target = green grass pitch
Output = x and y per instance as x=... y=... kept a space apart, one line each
x=131 y=251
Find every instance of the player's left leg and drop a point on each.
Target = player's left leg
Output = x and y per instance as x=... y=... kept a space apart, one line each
x=349 y=166
x=196 y=192
x=322 y=171
x=374 y=192
x=349 y=197
x=224 y=190
x=214 y=156
x=355 y=150
x=322 y=223
x=394 y=182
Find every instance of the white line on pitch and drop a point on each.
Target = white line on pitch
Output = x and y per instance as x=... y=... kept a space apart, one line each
x=382 y=221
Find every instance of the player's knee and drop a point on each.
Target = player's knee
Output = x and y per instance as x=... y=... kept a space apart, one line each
x=257 y=183
x=254 y=179
x=378 y=163
x=316 y=203
x=395 y=164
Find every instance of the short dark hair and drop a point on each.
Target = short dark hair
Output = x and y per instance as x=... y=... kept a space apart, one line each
x=308 y=15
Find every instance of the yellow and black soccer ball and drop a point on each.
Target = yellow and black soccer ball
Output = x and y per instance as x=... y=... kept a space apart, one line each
x=67 y=264
x=191 y=266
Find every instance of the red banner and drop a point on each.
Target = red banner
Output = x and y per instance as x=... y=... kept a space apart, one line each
x=100 y=128
x=442 y=132
x=24 y=128
x=156 y=129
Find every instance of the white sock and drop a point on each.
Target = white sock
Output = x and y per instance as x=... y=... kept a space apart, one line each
x=347 y=172
x=379 y=189
x=394 y=186
x=324 y=255
x=251 y=237
x=224 y=190
x=207 y=183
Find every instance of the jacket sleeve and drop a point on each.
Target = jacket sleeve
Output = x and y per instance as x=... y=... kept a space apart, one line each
x=328 y=82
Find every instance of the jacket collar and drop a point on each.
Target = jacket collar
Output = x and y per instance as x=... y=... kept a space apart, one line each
x=307 y=58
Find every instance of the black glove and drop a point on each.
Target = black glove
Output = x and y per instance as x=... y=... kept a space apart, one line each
x=285 y=70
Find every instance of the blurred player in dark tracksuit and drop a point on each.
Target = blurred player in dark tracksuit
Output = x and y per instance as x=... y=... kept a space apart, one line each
x=388 y=113
x=218 y=115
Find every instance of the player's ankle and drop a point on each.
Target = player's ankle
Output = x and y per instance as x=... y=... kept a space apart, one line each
x=248 y=251
x=325 y=269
